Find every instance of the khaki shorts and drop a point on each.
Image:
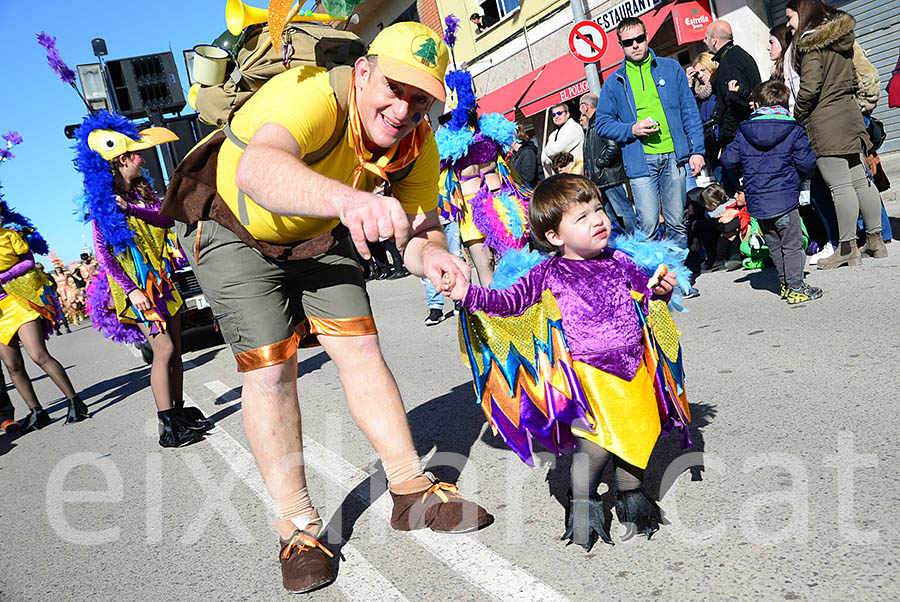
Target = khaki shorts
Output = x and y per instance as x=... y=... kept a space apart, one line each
x=267 y=308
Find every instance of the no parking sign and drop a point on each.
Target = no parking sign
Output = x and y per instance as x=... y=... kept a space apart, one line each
x=587 y=41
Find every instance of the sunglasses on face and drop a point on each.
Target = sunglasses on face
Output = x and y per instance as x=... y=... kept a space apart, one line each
x=558 y=113
x=628 y=42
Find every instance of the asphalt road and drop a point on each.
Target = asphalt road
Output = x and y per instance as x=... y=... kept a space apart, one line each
x=792 y=494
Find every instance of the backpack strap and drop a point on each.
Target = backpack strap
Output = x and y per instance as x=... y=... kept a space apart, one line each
x=340 y=78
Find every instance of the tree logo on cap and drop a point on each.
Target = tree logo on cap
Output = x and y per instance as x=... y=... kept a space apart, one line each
x=427 y=51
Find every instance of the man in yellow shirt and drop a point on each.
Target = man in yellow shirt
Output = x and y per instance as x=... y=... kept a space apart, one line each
x=273 y=257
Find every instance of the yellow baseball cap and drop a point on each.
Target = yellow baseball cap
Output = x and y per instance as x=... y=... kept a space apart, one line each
x=414 y=54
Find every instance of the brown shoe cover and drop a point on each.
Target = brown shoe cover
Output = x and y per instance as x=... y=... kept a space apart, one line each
x=305 y=563
x=440 y=508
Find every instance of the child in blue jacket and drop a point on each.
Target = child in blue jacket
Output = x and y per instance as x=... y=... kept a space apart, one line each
x=772 y=149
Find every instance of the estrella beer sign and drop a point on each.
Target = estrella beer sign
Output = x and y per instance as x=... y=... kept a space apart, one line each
x=691 y=20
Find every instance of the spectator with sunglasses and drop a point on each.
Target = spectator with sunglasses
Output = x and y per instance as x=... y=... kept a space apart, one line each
x=567 y=138
x=648 y=108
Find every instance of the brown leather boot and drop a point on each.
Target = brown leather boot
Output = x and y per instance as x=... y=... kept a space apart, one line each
x=305 y=563
x=874 y=246
x=438 y=507
x=846 y=254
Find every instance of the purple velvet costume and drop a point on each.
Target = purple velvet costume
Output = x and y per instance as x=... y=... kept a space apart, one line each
x=594 y=298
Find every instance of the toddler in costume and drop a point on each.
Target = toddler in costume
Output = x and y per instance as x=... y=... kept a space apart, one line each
x=598 y=382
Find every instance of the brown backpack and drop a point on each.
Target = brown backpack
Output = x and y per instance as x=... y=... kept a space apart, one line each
x=257 y=61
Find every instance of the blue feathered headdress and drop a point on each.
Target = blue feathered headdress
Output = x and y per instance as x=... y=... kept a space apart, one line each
x=99 y=198
x=13 y=219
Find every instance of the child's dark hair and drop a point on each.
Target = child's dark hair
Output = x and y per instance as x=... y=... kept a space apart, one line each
x=550 y=199
x=771 y=93
x=713 y=196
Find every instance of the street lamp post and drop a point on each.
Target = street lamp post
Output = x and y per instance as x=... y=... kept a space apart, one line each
x=99 y=46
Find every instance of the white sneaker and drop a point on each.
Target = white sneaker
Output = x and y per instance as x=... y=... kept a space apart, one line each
x=826 y=252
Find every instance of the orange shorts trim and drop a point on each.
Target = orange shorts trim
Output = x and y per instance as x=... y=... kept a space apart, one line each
x=343 y=327
x=304 y=336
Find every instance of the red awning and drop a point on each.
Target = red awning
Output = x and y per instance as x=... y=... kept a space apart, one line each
x=504 y=99
x=563 y=78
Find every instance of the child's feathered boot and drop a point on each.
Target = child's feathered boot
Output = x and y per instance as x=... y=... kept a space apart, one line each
x=585 y=521
x=642 y=514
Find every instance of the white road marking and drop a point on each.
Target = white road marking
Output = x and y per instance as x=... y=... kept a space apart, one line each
x=224 y=394
x=477 y=563
x=359 y=579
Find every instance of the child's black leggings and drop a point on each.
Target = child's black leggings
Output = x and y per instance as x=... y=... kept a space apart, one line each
x=587 y=469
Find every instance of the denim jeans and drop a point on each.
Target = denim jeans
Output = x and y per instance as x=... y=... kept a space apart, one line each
x=664 y=189
x=620 y=209
x=434 y=297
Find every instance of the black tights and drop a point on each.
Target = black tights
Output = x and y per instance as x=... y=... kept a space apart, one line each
x=587 y=469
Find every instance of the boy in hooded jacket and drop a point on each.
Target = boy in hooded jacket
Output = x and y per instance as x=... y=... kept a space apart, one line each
x=773 y=150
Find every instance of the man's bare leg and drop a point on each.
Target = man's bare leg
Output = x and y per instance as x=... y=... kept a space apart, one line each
x=372 y=393
x=273 y=426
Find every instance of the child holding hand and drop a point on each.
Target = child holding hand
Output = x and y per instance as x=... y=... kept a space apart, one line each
x=595 y=288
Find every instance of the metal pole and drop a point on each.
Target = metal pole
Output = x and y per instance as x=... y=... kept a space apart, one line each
x=111 y=91
x=590 y=69
x=528 y=46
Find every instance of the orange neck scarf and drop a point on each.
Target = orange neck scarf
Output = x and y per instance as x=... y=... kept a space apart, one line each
x=395 y=158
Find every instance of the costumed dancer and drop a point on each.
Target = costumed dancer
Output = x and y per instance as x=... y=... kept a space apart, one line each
x=131 y=242
x=581 y=354
x=483 y=192
x=27 y=314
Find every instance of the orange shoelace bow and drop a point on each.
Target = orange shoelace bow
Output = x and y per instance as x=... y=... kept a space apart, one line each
x=438 y=488
x=395 y=158
x=301 y=541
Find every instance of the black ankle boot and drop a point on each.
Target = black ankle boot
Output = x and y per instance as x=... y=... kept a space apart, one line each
x=194 y=419
x=36 y=419
x=642 y=514
x=173 y=432
x=585 y=521
x=77 y=410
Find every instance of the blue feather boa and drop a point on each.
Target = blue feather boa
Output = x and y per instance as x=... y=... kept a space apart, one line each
x=453 y=144
x=497 y=127
x=461 y=82
x=99 y=198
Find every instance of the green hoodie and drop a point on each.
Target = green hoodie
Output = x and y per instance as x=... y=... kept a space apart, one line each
x=648 y=104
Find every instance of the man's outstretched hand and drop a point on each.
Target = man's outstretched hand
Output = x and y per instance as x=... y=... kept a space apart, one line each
x=371 y=218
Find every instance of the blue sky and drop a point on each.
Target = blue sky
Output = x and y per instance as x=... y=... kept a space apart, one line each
x=41 y=182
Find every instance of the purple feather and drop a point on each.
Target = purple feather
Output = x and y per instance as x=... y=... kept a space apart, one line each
x=55 y=60
x=451 y=25
x=13 y=138
x=46 y=40
x=5 y=154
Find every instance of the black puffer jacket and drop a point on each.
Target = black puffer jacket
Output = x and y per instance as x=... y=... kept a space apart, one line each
x=526 y=162
x=602 y=159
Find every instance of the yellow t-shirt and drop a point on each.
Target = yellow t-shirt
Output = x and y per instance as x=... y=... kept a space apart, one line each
x=12 y=245
x=302 y=101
